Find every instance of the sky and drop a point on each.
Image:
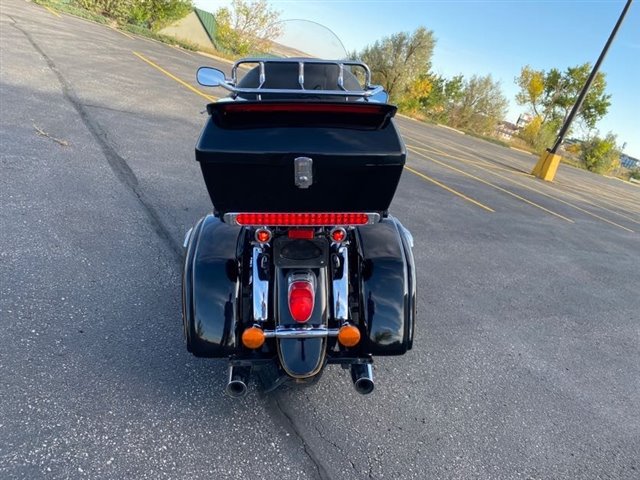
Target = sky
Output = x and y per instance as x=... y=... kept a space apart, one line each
x=499 y=38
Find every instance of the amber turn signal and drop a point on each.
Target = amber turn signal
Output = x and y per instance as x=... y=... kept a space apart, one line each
x=349 y=335
x=253 y=337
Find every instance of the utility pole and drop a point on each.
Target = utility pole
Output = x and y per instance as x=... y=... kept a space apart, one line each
x=548 y=163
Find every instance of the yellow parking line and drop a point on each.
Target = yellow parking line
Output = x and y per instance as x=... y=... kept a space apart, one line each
x=51 y=10
x=597 y=205
x=472 y=162
x=516 y=165
x=540 y=192
x=608 y=199
x=121 y=32
x=449 y=189
x=173 y=77
x=497 y=187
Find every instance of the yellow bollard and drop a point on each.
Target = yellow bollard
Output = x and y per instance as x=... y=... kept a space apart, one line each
x=547 y=166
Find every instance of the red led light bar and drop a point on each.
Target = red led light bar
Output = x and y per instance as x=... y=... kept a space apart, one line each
x=364 y=109
x=310 y=219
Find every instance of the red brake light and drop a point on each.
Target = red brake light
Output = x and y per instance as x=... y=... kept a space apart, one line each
x=310 y=219
x=301 y=300
x=306 y=234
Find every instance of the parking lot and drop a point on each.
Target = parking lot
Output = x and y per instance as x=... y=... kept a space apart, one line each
x=527 y=352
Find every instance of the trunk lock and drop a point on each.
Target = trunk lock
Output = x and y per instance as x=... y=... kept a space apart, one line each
x=303 y=172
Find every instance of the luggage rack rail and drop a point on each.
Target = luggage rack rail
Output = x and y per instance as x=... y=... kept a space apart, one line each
x=368 y=91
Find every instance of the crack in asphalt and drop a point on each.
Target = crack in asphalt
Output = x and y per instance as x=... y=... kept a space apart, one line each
x=127 y=177
x=118 y=164
x=286 y=421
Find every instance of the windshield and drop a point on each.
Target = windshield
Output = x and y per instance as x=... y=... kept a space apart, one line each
x=306 y=39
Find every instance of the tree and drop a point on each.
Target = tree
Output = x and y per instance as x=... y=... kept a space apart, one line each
x=248 y=26
x=152 y=14
x=601 y=155
x=552 y=94
x=480 y=107
x=398 y=60
x=538 y=134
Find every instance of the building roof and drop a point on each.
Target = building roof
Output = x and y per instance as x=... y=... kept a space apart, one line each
x=209 y=24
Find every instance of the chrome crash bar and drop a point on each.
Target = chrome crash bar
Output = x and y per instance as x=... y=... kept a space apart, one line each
x=301 y=332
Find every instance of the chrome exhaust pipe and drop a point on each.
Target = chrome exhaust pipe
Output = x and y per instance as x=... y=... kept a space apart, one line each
x=362 y=376
x=238 y=380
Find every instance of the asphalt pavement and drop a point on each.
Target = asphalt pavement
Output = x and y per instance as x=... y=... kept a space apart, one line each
x=526 y=361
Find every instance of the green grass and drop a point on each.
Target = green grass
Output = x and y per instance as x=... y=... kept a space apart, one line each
x=66 y=7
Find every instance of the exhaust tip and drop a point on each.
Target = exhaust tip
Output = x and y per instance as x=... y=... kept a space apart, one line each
x=236 y=388
x=364 y=386
x=362 y=376
x=237 y=383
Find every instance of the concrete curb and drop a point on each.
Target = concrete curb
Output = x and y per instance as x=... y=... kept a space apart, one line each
x=221 y=59
x=410 y=118
x=521 y=150
x=451 y=128
x=215 y=57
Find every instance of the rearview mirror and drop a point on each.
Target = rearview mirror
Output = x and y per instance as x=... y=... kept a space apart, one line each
x=210 y=77
x=381 y=97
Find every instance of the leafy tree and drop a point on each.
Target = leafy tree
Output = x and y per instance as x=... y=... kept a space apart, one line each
x=152 y=14
x=397 y=61
x=247 y=26
x=444 y=96
x=601 y=155
x=538 y=134
x=480 y=107
x=164 y=12
x=117 y=10
x=552 y=94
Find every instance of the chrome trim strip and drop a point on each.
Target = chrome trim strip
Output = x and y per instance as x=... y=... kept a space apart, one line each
x=301 y=332
x=341 y=288
x=187 y=237
x=231 y=219
x=260 y=289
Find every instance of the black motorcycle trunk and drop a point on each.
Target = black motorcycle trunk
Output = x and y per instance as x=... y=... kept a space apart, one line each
x=357 y=159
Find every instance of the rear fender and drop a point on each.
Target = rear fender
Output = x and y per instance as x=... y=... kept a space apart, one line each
x=301 y=358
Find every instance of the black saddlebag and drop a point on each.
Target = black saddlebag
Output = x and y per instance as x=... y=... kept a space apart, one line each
x=387 y=287
x=248 y=160
x=210 y=289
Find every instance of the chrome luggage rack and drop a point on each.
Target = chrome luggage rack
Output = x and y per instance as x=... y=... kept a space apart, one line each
x=368 y=91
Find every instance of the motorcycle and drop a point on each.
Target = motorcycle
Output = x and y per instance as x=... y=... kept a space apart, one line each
x=300 y=265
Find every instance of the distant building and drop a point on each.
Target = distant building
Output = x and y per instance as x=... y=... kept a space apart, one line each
x=629 y=162
x=198 y=28
x=523 y=120
x=506 y=130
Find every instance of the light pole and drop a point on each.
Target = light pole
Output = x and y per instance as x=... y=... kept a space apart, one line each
x=548 y=163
